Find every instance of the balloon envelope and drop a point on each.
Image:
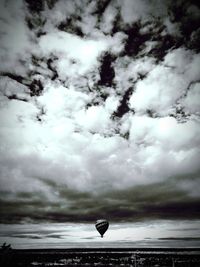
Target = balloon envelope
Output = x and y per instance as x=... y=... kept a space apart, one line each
x=102 y=226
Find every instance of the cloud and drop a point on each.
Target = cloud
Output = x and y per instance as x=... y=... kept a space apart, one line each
x=133 y=11
x=15 y=42
x=164 y=201
x=70 y=47
x=191 y=101
x=99 y=111
x=165 y=85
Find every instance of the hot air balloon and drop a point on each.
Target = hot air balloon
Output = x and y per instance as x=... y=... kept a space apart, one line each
x=102 y=226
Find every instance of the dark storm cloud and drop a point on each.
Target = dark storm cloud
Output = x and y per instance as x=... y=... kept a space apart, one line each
x=105 y=118
x=160 y=200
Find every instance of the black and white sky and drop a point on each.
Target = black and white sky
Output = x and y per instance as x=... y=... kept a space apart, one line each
x=99 y=110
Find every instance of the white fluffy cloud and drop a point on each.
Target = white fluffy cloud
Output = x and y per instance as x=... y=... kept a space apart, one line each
x=70 y=47
x=68 y=134
x=167 y=83
x=191 y=101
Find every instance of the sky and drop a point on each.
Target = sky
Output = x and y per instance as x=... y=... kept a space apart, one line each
x=151 y=234
x=99 y=111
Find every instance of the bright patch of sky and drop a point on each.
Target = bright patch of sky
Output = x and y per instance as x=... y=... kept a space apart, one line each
x=155 y=233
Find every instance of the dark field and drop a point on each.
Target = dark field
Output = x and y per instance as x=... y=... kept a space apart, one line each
x=143 y=257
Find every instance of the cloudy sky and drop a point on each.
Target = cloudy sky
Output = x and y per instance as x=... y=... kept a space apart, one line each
x=99 y=110
x=155 y=233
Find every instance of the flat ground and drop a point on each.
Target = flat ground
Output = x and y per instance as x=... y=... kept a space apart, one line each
x=157 y=257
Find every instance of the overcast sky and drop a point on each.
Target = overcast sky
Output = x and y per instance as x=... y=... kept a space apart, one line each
x=99 y=110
